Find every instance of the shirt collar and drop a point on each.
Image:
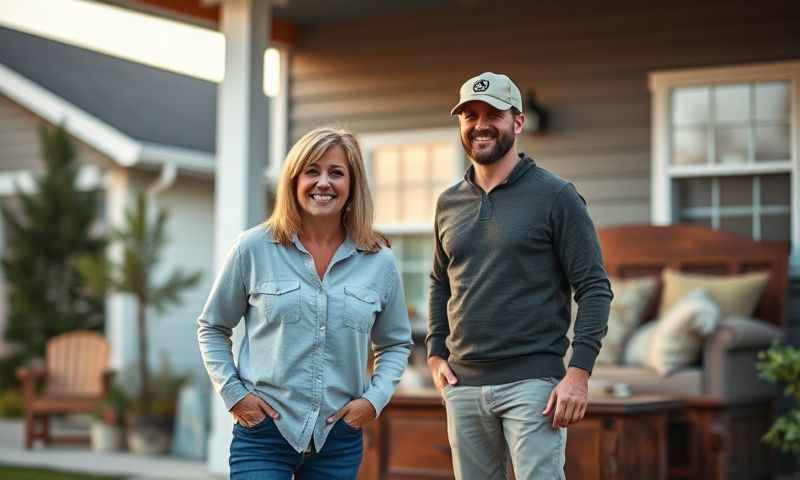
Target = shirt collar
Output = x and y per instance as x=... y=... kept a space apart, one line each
x=524 y=164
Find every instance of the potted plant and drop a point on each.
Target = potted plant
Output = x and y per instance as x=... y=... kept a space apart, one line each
x=781 y=364
x=141 y=240
x=150 y=424
x=108 y=421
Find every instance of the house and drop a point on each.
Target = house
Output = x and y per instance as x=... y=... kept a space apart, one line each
x=676 y=112
x=136 y=128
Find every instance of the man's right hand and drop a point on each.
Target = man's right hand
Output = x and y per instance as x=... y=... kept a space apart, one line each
x=251 y=410
x=441 y=373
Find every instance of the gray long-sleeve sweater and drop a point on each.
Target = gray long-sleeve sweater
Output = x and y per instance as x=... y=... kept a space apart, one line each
x=504 y=267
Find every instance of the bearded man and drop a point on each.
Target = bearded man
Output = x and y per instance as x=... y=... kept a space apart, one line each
x=513 y=241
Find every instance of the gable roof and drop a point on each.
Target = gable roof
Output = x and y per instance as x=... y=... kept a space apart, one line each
x=133 y=111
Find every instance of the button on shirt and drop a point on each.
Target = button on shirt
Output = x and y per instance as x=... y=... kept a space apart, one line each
x=305 y=344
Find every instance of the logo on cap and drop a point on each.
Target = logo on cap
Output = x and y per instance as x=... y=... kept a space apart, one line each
x=480 y=86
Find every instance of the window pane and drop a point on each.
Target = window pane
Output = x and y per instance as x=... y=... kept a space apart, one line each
x=443 y=158
x=732 y=104
x=695 y=192
x=416 y=294
x=691 y=146
x=736 y=191
x=690 y=106
x=775 y=190
x=386 y=205
x=772 y=101
x=732 y=145
x=385 y=167
x=417 y=204
x=775 y=227
x=417 y=249
x=415 y=165
x=772 y=143
x=739 y=224
x=703 y=221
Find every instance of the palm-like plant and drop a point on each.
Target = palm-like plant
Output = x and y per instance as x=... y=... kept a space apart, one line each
x=142 y=242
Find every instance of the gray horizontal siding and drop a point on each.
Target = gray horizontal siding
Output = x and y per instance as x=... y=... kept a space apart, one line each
x=588 y=66
x=19 y=141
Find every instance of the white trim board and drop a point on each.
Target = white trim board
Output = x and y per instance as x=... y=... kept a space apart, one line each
x=121 y=148
x=661 y=82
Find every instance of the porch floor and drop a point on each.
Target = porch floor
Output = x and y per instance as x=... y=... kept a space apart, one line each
x=82 y=459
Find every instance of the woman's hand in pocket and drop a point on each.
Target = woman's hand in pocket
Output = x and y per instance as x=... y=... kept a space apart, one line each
x=356 y=413
x=251 y=410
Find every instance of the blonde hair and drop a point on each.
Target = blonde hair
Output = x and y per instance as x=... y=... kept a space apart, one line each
x=357 y=215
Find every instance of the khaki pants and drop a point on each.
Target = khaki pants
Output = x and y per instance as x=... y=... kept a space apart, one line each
x=487 y=424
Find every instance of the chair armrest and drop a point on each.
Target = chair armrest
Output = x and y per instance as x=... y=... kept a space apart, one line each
x=30 y=373
x=730 y=355
x=741 y=332
x=29 y=376
x=108 y=378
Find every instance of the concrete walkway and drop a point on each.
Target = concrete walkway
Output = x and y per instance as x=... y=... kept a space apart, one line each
x=82 y=459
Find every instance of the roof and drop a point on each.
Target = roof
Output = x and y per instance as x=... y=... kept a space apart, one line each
x=149 y=105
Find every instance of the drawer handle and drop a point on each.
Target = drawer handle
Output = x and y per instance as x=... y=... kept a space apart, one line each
x=444 y=449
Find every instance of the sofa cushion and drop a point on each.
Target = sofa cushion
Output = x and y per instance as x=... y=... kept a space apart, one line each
x=677 y=340
x=641 y=380
x=636 y=349
x=735 y=294
x=631 y=299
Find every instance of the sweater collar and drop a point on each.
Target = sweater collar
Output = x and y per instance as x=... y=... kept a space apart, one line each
x=524 y=164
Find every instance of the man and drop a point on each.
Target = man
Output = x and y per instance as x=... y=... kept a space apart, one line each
x=512 y=240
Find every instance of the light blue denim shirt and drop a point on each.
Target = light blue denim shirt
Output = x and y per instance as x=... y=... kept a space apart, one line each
x=305 y=345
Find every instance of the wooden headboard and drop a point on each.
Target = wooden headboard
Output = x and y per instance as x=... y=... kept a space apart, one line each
x=644 y=250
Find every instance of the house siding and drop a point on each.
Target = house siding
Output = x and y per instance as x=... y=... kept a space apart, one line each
x=588 y=66
x=19 y=141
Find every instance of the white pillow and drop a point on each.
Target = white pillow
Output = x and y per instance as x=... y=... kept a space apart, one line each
x=638 y=345
x=631 y=299
x=677 y=338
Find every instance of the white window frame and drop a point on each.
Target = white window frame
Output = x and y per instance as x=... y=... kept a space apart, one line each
x=662 y=173
x=370 y=141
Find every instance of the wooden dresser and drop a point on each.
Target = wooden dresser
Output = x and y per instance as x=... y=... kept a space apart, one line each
x=618 y=439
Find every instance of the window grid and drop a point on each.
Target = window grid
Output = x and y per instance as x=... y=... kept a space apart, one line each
x=716 y=212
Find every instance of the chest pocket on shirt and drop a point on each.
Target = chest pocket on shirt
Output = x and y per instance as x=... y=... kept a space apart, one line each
x=360 y=306
x=279 y=299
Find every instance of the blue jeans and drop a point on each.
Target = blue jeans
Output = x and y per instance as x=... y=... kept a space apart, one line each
x=262 y=453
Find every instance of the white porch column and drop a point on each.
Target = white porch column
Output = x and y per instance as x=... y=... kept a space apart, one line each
x=242 y=127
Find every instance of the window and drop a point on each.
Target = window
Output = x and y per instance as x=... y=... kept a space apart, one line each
x=725 y=153
x=407 y=173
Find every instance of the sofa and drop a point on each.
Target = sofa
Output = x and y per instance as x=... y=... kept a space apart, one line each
x=726 y=297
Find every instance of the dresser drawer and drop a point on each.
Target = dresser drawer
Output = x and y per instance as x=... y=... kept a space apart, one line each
x=418 y=446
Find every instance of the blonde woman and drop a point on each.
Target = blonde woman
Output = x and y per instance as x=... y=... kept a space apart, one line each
x=315 y=285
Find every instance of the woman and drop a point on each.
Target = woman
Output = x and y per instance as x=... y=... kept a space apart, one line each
x=314 y=285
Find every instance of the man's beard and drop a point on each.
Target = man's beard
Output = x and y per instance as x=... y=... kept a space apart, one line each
x=503 y=142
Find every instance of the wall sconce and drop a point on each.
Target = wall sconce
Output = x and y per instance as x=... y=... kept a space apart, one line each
x=535 y=114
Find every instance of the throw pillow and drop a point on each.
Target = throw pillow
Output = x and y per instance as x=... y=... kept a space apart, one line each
x=631 y=299
x=638 y=345
x=736 y=295
x=678 y=337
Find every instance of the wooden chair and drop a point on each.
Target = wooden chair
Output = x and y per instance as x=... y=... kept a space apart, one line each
x=75 y=379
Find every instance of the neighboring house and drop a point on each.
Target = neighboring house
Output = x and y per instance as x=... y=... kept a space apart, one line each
x=135 y=128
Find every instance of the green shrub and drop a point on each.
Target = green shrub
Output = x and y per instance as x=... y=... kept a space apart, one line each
x=781 y=364
x=10 y=403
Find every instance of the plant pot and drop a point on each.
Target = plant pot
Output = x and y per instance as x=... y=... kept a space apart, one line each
x=105 y=437
x=149 y=435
